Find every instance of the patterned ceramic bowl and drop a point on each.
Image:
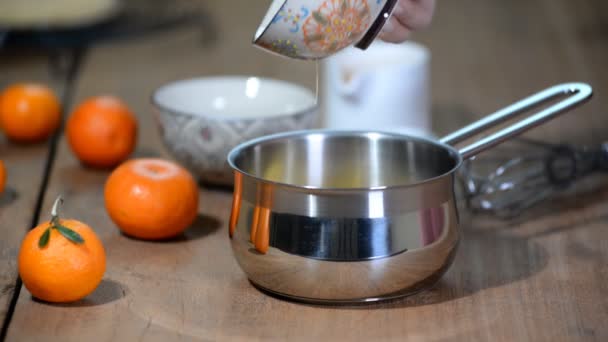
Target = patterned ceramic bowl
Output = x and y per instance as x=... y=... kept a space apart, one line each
x=201 y=120
x=314 y=29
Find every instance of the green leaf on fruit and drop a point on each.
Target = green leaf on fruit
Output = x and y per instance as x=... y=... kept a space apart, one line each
x=69 y=234
x=44 y=238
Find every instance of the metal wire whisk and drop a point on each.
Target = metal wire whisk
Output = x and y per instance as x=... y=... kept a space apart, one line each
x=521 y=182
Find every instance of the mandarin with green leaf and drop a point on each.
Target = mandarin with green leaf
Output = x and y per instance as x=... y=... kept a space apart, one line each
x=61 y=260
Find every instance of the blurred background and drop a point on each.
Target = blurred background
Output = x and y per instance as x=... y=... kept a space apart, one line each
x=485 y=53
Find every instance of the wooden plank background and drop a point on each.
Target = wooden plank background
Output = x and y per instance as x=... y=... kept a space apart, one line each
x=543 y=278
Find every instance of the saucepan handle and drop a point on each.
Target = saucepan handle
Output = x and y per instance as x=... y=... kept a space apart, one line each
x=574 y=93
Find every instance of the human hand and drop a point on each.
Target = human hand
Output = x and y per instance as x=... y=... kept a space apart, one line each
x=408 y=16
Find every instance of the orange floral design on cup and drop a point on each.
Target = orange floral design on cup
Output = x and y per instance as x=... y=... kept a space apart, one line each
x=336 y=24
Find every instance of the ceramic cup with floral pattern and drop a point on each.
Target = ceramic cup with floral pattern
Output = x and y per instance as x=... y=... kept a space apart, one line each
x=314 y=29
x=201 y=119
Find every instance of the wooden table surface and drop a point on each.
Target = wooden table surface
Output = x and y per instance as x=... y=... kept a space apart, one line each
x=541 y=278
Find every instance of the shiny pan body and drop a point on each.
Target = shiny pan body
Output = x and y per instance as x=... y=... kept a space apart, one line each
x=352 y=216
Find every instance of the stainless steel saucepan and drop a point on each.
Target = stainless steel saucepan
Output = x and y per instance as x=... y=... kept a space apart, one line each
x=338 y=217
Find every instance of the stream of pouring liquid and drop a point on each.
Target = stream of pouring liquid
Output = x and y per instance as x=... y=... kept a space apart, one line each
x=316 y=82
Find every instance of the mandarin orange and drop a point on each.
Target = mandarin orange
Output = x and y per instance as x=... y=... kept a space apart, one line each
x=61 y=260
x=102 y=131
x=151 y=198
x=2 y=176
x=29 y=112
